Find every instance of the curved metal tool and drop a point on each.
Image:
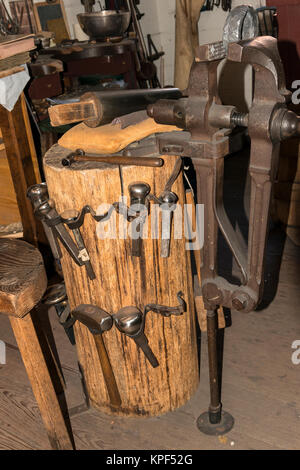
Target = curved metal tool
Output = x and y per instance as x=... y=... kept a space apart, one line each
x=130 y=321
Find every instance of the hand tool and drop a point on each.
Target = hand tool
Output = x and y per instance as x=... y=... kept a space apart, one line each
x=67 y=218
x=168 y=201
x=207 y=124
x=38 y=194
x=131 y=322
x=102 y=107
x=80 y=156
x=98 y=321
x=56 y=296
x=138 y=193
x=44 y=209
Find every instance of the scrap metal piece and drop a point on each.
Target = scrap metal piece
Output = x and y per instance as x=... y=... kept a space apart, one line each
x=241 y=23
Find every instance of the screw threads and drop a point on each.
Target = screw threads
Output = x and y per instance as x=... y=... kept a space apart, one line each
x=240 y=119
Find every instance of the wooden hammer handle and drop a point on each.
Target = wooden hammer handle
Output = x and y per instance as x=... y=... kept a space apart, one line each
x=108 y=373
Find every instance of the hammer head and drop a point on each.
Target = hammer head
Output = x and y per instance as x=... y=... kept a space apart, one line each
x=38 y=194
x=138 y=192
x=129 y=320
x=94 y=318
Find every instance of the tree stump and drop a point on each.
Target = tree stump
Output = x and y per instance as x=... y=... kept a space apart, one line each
x=123 y=280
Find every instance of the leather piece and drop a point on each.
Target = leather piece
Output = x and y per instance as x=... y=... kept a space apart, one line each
x=110 y=138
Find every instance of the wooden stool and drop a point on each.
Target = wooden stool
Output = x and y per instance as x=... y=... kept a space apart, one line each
x=23 y=282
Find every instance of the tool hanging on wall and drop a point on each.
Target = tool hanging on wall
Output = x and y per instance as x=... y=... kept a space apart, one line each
x=130 y=321
x=98 y=322
x=8 y=25
x=268 y=24
x=148 y=71
x=210 y=4
x=44 y=210
x=56 y=296
x=168 y=205
x=68 y=217
x=136 y=214
x=138 y=198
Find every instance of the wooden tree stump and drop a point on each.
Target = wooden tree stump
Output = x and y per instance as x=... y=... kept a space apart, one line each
x=122 y=280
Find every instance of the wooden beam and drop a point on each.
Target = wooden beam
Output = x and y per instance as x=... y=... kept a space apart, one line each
x=17 y=140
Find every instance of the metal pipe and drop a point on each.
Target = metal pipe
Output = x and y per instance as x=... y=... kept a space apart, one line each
x=215 y=405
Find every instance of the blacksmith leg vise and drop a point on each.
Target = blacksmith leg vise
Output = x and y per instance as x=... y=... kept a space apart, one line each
x=207 y=124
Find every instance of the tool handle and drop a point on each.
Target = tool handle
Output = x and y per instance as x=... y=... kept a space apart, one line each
x=152 y=162
x=142 y=342
x=108 y=373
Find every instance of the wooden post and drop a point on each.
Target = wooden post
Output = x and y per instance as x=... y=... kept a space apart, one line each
x=123 y=280
x=44 y=384
x=18 y=145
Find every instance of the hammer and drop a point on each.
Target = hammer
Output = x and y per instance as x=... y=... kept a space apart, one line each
x=98 y=321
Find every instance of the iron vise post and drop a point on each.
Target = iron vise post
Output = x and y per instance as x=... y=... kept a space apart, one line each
x=208 y=124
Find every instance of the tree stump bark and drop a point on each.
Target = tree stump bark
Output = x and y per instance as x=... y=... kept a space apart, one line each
x=122 y=280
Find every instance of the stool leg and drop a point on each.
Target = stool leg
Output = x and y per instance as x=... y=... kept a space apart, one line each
x=32 y=346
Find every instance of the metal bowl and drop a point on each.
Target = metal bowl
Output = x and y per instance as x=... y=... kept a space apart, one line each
x=106 y=23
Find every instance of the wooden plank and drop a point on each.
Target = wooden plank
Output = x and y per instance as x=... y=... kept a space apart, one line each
x=23 y=278
x=21 y=425
x=20 y=159
x=9 y=211
x=6 y=73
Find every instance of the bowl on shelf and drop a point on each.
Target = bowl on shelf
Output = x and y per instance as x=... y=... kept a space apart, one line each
x=103 y=24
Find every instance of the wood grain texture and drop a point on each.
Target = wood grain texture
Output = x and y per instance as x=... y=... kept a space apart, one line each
x=9 y=211
x=6 y=73
x=123 y=281
x=186 y=38
x=29 y=341
x=23 y=279
x=14 y=126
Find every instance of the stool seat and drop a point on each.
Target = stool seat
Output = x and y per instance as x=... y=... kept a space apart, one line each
x=23 y=278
